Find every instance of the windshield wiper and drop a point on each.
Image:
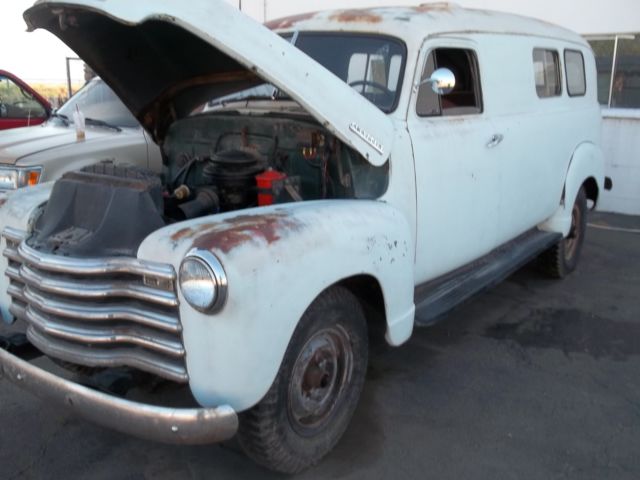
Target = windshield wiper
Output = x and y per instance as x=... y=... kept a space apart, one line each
x=102 y=123
x=62 y=117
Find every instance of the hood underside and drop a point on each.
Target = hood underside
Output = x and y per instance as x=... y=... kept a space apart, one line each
x=164 y=58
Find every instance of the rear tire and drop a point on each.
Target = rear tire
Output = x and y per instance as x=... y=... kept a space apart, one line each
x=562 y=259
x=314 y=395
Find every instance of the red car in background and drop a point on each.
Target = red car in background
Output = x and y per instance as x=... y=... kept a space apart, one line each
x=20 y=105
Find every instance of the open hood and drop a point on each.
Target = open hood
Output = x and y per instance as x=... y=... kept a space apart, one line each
x=163 y=58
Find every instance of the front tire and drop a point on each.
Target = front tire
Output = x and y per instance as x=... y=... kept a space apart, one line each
x=562 y=258
x=316 y=390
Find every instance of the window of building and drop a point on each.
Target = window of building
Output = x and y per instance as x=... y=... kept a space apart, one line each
x=618 y=66
x=465 y=98
x=574 y=67
x=546 y=68
x=603 y=51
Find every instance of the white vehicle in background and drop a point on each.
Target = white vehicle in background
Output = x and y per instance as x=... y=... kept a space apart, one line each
x=361 y=165
x=33 y=155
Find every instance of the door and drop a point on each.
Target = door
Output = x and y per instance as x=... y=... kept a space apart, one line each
x=457 y=173
x=18 y=106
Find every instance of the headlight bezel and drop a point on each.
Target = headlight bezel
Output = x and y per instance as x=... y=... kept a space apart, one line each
x=21 y=176
x=218 y=277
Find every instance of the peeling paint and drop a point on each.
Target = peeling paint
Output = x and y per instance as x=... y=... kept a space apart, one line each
x=356 y=16
x=229 y=234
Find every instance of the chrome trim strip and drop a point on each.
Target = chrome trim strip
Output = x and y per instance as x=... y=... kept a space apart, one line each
x=13 y=234
x=113 y=357
x=95 y=289
x=102 y=313
x=105 y=335
x=12 y=254
x=14 y=274
x=95 y=266
x=170 y=425
x=16 y=292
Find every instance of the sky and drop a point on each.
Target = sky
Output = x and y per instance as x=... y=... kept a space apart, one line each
x=40 y=57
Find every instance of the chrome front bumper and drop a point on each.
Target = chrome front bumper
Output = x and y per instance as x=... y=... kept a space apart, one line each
x=169 y=425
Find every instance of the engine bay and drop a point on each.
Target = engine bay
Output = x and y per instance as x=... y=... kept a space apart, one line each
x=248 y=161
x=212 y=163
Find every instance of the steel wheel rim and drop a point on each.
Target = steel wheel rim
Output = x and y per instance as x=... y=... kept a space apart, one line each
x=572 y=240
x=320 y=374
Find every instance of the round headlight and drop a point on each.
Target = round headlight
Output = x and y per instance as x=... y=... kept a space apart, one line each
x=202 y=281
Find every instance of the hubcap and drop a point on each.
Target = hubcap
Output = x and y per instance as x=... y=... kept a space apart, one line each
x=321 y=372
x=572 y=240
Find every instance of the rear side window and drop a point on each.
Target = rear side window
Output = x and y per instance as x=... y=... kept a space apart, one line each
x=546 y=67
x=574 y=66
x=465 y=99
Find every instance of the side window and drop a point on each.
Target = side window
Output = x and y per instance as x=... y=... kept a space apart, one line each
x=574 y=67
x=546 y=68
x=16 y=103
x=465 y=98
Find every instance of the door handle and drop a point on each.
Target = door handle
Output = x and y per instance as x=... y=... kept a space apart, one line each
x=495 y=140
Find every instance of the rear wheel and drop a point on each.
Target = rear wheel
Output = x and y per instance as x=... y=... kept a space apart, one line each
x=312 y=400
x=562 y=258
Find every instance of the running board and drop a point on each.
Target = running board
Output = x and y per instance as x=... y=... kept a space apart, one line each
x=435 y=298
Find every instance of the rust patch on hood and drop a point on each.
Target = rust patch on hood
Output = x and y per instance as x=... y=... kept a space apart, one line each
x=229 y=234
x=288 y=22
x=359 y=16
x=434 y=7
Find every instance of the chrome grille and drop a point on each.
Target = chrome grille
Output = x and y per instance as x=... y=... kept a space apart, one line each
x=99 y=312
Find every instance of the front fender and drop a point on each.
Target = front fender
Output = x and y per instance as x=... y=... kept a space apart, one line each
x=587 y=162
x=18 y=210
x=278 y=259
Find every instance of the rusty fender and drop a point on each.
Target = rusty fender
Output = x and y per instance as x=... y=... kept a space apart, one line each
x=277 y=260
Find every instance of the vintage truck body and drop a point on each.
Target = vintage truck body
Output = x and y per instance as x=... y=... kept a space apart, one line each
x=417 y=199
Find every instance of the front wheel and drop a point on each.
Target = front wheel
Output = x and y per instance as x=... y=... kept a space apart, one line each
x=562 y=258
x=314 y=395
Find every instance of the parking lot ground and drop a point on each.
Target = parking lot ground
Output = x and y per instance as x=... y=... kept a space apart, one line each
x=534 y=379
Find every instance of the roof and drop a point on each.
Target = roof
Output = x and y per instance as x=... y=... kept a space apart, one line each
x=419 y=21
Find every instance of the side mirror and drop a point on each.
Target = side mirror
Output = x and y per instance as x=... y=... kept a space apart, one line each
x=442 y=81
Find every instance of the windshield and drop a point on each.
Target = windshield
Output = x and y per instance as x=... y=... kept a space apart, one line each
x=98 y=102
x=372 y=64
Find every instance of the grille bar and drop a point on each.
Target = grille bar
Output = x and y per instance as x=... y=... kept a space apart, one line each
x=113 y=357
x=91 y=312
x=104 y=335
x=97 y=312
x=94 y=266
x=82 y=288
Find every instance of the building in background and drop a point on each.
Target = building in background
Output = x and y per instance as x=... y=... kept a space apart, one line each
x=612 y=28
x=618 y=64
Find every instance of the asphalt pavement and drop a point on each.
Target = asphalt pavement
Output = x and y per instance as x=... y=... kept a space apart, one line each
x=535 y=379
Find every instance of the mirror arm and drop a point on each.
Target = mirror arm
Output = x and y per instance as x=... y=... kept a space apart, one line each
x=425 y=81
